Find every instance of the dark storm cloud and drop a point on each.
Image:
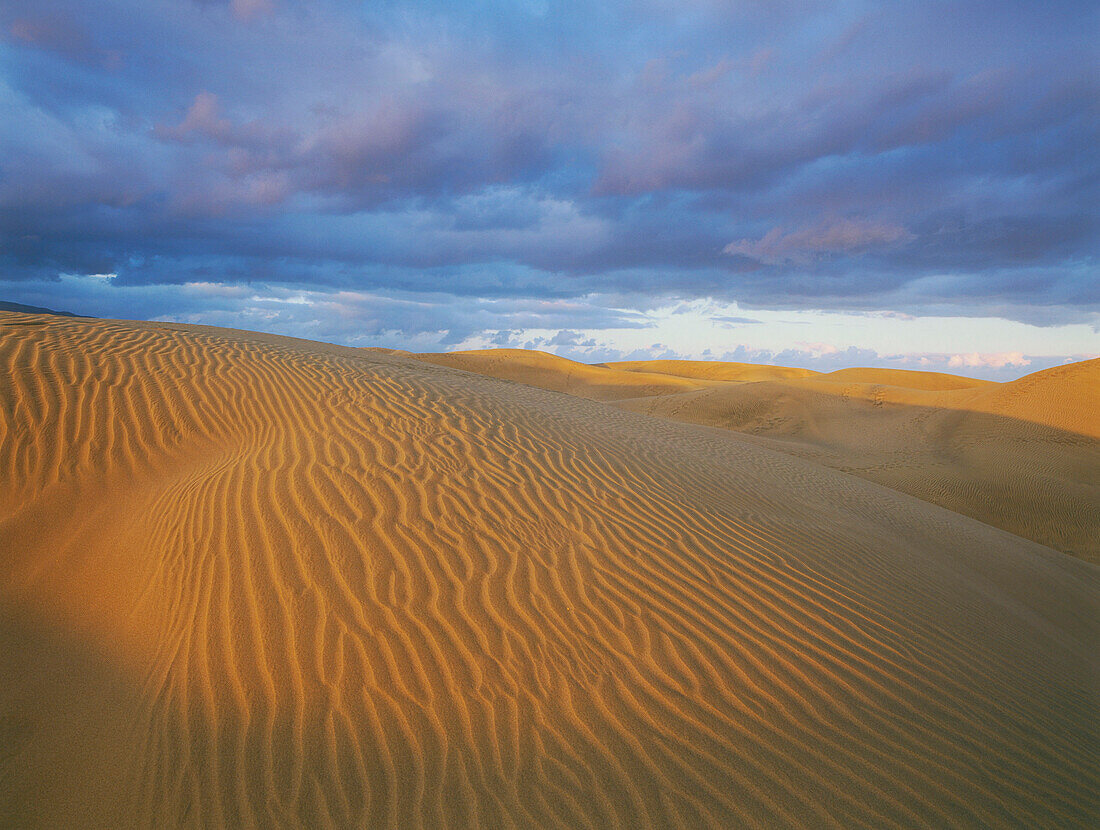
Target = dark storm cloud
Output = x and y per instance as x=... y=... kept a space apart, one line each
x=825 y=154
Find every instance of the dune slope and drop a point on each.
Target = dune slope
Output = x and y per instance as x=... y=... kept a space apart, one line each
x=905 y=379
x=1023 y=456
x=252 y=581
x=558 y=374
x=711 y=369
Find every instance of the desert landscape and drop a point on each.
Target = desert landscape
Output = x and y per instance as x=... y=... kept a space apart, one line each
x=1023 y=456
x=255 y=581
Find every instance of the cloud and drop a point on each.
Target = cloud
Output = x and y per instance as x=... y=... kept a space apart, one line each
x=998 y=360
x=66 y=38
x=249 y=9
x=736 y=321
x=566 y=337
x=781 y=155
x=593 y=328
x=803 y=246
x=417 y=321
x=202 y=120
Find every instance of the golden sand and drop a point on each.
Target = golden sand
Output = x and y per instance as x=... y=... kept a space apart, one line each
x=253 y=581
x=1023 y=456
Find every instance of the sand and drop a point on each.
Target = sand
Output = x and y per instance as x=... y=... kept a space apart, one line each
x=557 y=374
x=711 y=370
x=1022 y=456
x=253 y=581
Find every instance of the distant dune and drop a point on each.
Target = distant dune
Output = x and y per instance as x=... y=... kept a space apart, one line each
x=549 y=371
x=1023 y=456
x=6 y=305
x=712 y=370
x=260 y=582
x=905 y=378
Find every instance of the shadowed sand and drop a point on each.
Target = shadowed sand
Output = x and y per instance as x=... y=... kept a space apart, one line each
x=1023 y=456
x=253 y=581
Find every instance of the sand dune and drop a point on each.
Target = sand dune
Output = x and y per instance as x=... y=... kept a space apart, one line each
x=711 y=370
x=253 y=581
x=905 y=379
x=1023 y=456
x=558 y=374
x=1065 y=398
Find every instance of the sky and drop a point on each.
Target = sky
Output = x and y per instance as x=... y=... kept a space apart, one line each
x=820 y=184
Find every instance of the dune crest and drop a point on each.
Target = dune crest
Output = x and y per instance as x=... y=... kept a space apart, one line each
x=1021 y=455
x=254 y=581
x=558 y=374
x=712 y=370
x=905 y=379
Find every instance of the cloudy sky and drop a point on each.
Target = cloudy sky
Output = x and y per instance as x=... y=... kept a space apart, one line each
x=815 y=183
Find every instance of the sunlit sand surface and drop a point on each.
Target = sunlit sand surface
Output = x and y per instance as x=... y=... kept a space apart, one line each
x=1023 y=456
x=251 y=581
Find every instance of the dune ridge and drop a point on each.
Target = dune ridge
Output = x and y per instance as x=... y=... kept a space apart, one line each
x=906 y=379
x=257 y=582
x=559 y=374
x=713 y=370
x=1022 y=455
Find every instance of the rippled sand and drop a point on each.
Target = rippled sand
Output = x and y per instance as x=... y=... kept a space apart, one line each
x=1023 y=456
x=254 y=581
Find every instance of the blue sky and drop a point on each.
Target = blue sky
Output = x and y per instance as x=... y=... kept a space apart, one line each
x=817 y=183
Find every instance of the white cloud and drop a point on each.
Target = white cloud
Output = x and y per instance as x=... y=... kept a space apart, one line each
x=996 y=360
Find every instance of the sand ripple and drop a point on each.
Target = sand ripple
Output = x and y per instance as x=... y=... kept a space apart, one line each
x=252 y=581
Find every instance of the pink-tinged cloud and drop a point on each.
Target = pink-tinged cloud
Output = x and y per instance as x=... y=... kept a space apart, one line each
x=995 y=360
x=760 y=60
x=250 y=9
x=817 y=350
x=203 y=119
x=485 y=150
x=250 y=147
x=66 y=38
x=224 y=197
x=826 y=238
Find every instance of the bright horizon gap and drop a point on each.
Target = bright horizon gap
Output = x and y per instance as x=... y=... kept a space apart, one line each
x=595 y=328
